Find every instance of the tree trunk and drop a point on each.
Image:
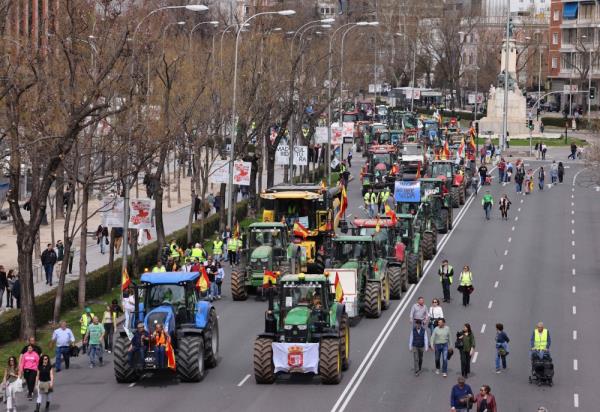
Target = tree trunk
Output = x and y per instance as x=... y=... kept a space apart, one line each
x=83 y=247
x=61 y=280
x=52 y=221
x=25 y=241
x=191 y=216
x=178 y=184
x=168 y=181
x=60 y=190
x=222 y=195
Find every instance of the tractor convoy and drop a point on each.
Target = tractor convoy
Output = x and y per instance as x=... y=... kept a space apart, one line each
x=319 y=271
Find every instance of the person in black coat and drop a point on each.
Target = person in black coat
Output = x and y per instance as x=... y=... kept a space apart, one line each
x=49 y=259
x=16 y=292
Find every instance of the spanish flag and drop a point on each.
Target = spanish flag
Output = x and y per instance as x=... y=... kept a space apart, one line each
x=418 y=176
x=202 y=284
x=300 y=230
x=171 y=364
x=269 y=278
x=378 y=226
x=339 y=292
x=446 y=151
x=389 y=212
x=236 y=230
x=461 y=148
x=343 y=205
x=125 y=281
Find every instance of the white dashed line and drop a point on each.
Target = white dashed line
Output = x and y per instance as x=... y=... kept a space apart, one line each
x=474 y=357
x=501 y=267
x=575 y=365
x=572 y=221
x=491 y=303
x=573 y=271
x=572 y=231
x=516 y=218
x=576 y=400
x=506 y=252
x=483 y=328
x=574 y=310
x=572 y=212
x=574 y=335
x=573 y=256
x=243 y=381
x=573 y=243
x=521 y=200
x=572 y=189
x=496 y=284
x=572 y=196
x=513 y=229
x=509 y=239
x=573 y=289
x=131 y=385
x=519 y=209
x=572 y=203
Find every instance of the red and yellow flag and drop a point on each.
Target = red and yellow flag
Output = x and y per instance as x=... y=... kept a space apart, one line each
x=202 y=284
x=171 y=363
x=343 y=205
x=300 y=230
x=418 y=171
x=269 y=278
x=446 y=151
x=339 y=292
x=461 y=148
x=392 y=215
x=236 y=230
x=125 y=281
x=378 y=225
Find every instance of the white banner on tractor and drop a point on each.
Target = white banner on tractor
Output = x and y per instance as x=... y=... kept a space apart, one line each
x=348 y=280
x=296 y=357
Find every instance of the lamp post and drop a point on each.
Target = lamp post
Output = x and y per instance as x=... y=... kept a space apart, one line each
x=233 y=107
x=189 y=7
x=164 y=32
x=506 y=65
x=414 y=69
x=213 y=22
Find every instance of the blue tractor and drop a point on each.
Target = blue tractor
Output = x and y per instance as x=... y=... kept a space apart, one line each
x=172 y=300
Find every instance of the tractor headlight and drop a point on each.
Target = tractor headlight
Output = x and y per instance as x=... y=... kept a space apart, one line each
x=287 y=327
x=301 y=327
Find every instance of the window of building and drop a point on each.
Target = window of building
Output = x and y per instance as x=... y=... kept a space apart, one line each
x=569 y=36
x=555 y=62
x=556 y=15
x=554 y=38
x=570 y=11
x=586 y=11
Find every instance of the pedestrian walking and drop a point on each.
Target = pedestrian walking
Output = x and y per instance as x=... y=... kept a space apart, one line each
x=483 y=170
x=84 y=321
x=541 y=178
x=544 y=150
x=31 y=342
x=501 y=170
x=93 y=338
x=16 y=291
x=63 y=339
x=102 y=238
x=466 y=285
x=529 y=182
x=519 y=179
x=482 y=154
x=501 y=346
x=45 y=383
x=465 y=344
x=487 y=202
x=461 y=396
x=504 y=204
x=109 y=321
x=11 y=384
x=211 y=270
x=540 y=340
x=541 y=127
x=440 y=338
x=218 y=249
x=10 y=281
x=417 y=344
x=128 y=306
x=573 y=151
x=561 y=172
x=434 y=314
x=349 y=158
x=554 y=172
x=446 y=273
x=484 y=400
x=28 y=366
x=3 y=284
x=49 y=259
x=419 y=311
x=196 y=201
x=509 y=171
x=219 y=278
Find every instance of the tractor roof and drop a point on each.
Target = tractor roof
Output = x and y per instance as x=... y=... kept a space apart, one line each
x=169 y=278
x=431 y=179
x=292 y=194
x=307 y=278
x=382 y=148
x=349 y=238
x=370 y=223
x=268 y=225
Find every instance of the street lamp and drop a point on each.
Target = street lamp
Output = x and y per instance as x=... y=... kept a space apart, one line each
x=414 y=69
x=214 y=23
x=177 y=23
x=233 y=107
x=222 y=37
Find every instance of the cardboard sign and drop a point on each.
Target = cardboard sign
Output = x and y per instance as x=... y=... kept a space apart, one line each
x=321 y=135
x=407 y=191
x=282 y=155
x=300 y=155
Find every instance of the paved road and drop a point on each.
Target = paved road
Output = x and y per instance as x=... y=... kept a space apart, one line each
x=533 y=266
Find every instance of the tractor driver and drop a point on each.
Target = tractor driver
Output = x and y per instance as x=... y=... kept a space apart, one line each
x=316 y=301
x=167 y=297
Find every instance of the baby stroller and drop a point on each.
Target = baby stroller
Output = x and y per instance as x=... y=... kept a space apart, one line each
x=488 y=179
x=542 y=369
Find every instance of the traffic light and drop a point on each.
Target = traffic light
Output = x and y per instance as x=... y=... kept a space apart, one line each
x=511 y=27
x=592 y=93
x=477 y=128
x=530 y=124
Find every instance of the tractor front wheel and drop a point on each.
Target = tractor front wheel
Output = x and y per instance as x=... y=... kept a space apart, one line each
x=330 y=361
x=264 y=371
x=345 y=341
x=385 y=291
x=238 y=286
x=373 y=303
x=395 y=276
x=445 y=228
x=211 y=340
x=428 y=245
x=455 y=197
x=463 y=194
x=190 y=359
x=124 y=372
x=412 y=261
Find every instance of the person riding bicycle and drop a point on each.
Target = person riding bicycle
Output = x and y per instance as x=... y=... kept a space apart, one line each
x=487 y=202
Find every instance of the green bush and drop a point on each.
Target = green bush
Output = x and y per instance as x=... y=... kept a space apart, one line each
x=96 y=281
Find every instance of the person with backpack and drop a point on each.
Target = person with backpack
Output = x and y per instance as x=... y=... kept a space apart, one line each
x=561 y=172
x=504 y=206
x=487 y=202
x=553 y=172
x=501 y=346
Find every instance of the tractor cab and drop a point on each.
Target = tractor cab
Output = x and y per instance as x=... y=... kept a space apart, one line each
x=446 y=168
x=435 y=192
x=412 y=157
x=381 y=167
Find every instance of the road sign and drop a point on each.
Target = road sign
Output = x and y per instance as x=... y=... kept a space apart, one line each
x=219 y=172
x=348 y=139
x=348 y=129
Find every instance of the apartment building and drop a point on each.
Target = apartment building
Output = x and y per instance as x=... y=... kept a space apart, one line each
x=573 y=59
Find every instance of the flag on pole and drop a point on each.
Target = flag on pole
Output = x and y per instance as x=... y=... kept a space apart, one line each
x=378 y=225
x=202 y=284
x=269 y=278
x=418 y=176
x=236 y=230
x=461 y=148
x=171 y=363
x=343 y=205
x=389 y=212
x=300 y=230
x=446 y=152
x=339 y=292
x=125 y=281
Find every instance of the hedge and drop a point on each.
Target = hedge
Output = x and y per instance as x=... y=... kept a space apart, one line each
x=96 y=281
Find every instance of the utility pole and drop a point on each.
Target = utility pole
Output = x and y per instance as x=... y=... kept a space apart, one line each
x=506 y=65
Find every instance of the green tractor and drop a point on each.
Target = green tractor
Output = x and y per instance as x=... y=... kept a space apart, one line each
x=453 y=173
x=306 y=331
x=435 y=193
x=266 y=248
x=363 y=275
x=412 y=240
x=424 y=221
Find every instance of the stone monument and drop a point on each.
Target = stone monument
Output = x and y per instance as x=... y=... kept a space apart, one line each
x=517 y=103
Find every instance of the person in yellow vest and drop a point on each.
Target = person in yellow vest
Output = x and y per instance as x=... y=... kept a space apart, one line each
x=466 y=284
x=218 y=249
x=384 y=195
x=540 y=340
x=198 y=253
x=159 y=267
x=174 y=250
x=84 y=321
x=367 y=199
x=232 y=248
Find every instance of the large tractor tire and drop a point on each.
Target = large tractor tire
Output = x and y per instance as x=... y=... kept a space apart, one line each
x=450 y=219
x=454 y=197
x=395 y=276
x=428 y=245
x=330 y=361
x=413 y=263
x=463 y=194
x=124 y=372
x=264 y=371
x=445 y=228
x=211 y=340
x=404 y=277
x=238 y=286
x=190 y=359
x=345 y=341
x=385 y=291
x=373 y=304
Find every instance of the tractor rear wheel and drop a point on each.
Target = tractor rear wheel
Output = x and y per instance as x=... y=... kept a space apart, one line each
x=395 y=276
x=124 y=372
x=404 y=277
x=373 y=300
x=450 y=218
x=238 y=286
x=385 y=291
x=190 y=359
x=462 y=193
x=445 y=228
x=455 y=197
x=412 y=261
x=428 y=245
x=345 y=341
x=211 y=340
x=330 y=361
x=264 y=372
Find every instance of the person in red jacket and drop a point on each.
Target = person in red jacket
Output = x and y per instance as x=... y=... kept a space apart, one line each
x=484 y=400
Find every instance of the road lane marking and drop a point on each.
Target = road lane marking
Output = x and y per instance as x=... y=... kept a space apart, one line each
x=506 y=252
x=490 y=304
x=575 y=178
x=243 y=381
x=509 y=239
x=131 y=385
x=573 y=271
x=521 y=200
x=572 y=196
x=575 y=365
x=572 y=221
x=354 y=383
x=519 y=209
x=573 y=289
x=576 y=400
x=574 y=310
x=516 y=218
x=572 y=231
x=496 y=284
x=474 y=357
x=574 y=335
x=573 y=256
x=501 y=266
x=513 y=229
x=573 y=243
x=483 y=328
x=572 y=212
x=572 y=203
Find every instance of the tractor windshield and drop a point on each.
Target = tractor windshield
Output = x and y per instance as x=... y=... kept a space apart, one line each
x=405 y=228
x=301 y=294
x=441 y=169
x=382 y=161
x=407 y=208
x=411 y=150
x=345 y=251
x=159 y=295
x=409 y=122
x=265 y=237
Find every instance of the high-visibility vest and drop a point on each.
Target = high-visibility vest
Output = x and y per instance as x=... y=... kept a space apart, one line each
x=85 y=321
x=384 y=196
x=373 y=198
x=174 y=250
x=156 y=269
x=367 y=197
x=466 y=279
x=217 y=247
x=450 y=269
x=232 y=245
x=197 y=253
x=160 y=339
x=540 y=340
